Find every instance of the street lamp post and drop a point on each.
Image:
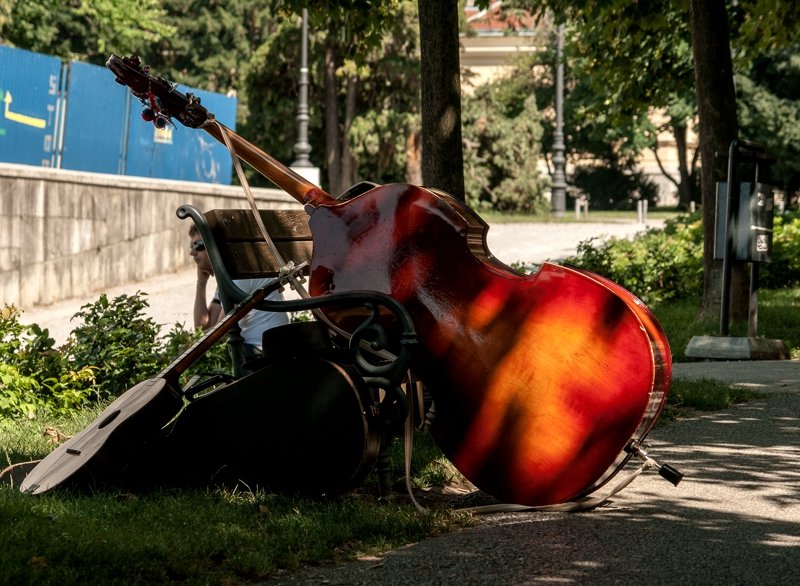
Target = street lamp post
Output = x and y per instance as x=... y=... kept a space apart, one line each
x=301 y=147
x=559 y=188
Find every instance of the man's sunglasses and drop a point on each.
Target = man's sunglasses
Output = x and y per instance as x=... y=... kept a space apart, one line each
x=198 y=246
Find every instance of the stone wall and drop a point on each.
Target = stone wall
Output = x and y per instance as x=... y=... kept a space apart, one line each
x=66 y=234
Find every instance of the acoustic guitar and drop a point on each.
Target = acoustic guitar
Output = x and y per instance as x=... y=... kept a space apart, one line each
x=544 y=384
x=103 y=450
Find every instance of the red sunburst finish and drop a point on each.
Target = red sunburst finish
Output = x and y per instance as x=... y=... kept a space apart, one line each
x=539 y=381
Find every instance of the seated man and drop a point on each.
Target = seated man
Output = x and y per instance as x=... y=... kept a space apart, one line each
x=206 y=315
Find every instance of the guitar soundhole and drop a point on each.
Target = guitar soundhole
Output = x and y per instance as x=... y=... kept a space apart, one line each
x=111 y=417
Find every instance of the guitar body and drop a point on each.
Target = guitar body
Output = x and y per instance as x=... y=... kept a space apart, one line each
x=101 y=452
x=122 y=434
x=539 y=381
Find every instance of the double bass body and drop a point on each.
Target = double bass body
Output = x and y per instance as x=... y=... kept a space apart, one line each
x=539 y=381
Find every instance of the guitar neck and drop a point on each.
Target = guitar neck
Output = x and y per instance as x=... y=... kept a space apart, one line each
x=212 y=336
x=288 y=180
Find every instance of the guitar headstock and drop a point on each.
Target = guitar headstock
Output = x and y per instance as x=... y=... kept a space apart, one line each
x=161 y=99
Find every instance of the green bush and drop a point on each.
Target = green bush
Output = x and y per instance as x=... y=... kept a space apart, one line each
x=656 y=265
x=113 y=348
x=664 y=264
x=784 y=270
x=116 y=338
x=35 y=378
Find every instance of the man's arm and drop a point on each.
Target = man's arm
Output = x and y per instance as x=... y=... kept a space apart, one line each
x=206 y=315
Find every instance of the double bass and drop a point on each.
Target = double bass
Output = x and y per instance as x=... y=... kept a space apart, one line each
x=544 y=384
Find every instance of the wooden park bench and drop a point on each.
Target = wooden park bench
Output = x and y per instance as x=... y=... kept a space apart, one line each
x=237 y=250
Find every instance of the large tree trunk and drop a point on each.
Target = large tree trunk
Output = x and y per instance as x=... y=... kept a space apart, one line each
x=442 y=161
x=716 y=106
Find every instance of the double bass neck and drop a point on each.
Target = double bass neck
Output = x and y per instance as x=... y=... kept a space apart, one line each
x=285 y=178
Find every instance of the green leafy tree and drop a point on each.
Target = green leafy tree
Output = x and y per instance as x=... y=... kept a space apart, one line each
x=362 y=107
x=769 y=111
x=212 y=44
x=502 y=133
x=87 y=30
x=653 y=68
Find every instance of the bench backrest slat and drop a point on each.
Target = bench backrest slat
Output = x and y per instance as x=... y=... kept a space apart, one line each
x=245 y=253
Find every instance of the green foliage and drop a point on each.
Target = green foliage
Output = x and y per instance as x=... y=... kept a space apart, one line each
x=502 y=131
x=113 y=348
x=384 y=115
x=213 y=42
x=359 y=24
x=386 y=126
x=656 y=265
x=35 y=379
x=784 y=270
x=114 y=337
x=379 y=140
x=215 y=360
x=83 y=29
x=769 y=110
x=271 y=86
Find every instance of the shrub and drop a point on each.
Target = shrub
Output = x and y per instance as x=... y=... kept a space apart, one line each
x=118 y=340
x=34 y=376
x=113 y=348
x=656 y=265
x=217 y=359
x=784 y=270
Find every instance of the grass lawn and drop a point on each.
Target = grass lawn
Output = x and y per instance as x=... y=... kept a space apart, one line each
x=778 y=318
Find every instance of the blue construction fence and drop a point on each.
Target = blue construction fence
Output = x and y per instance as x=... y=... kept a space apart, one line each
x=75 y=116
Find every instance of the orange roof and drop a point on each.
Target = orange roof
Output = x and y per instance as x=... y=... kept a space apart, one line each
x=496 y=19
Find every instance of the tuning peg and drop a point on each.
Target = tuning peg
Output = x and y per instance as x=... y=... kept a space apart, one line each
x=148 y=115
x=160 y=122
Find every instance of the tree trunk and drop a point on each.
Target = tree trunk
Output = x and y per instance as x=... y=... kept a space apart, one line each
x=442 y=160
x=333 y=152
x=716 y=106
x=686 y=183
